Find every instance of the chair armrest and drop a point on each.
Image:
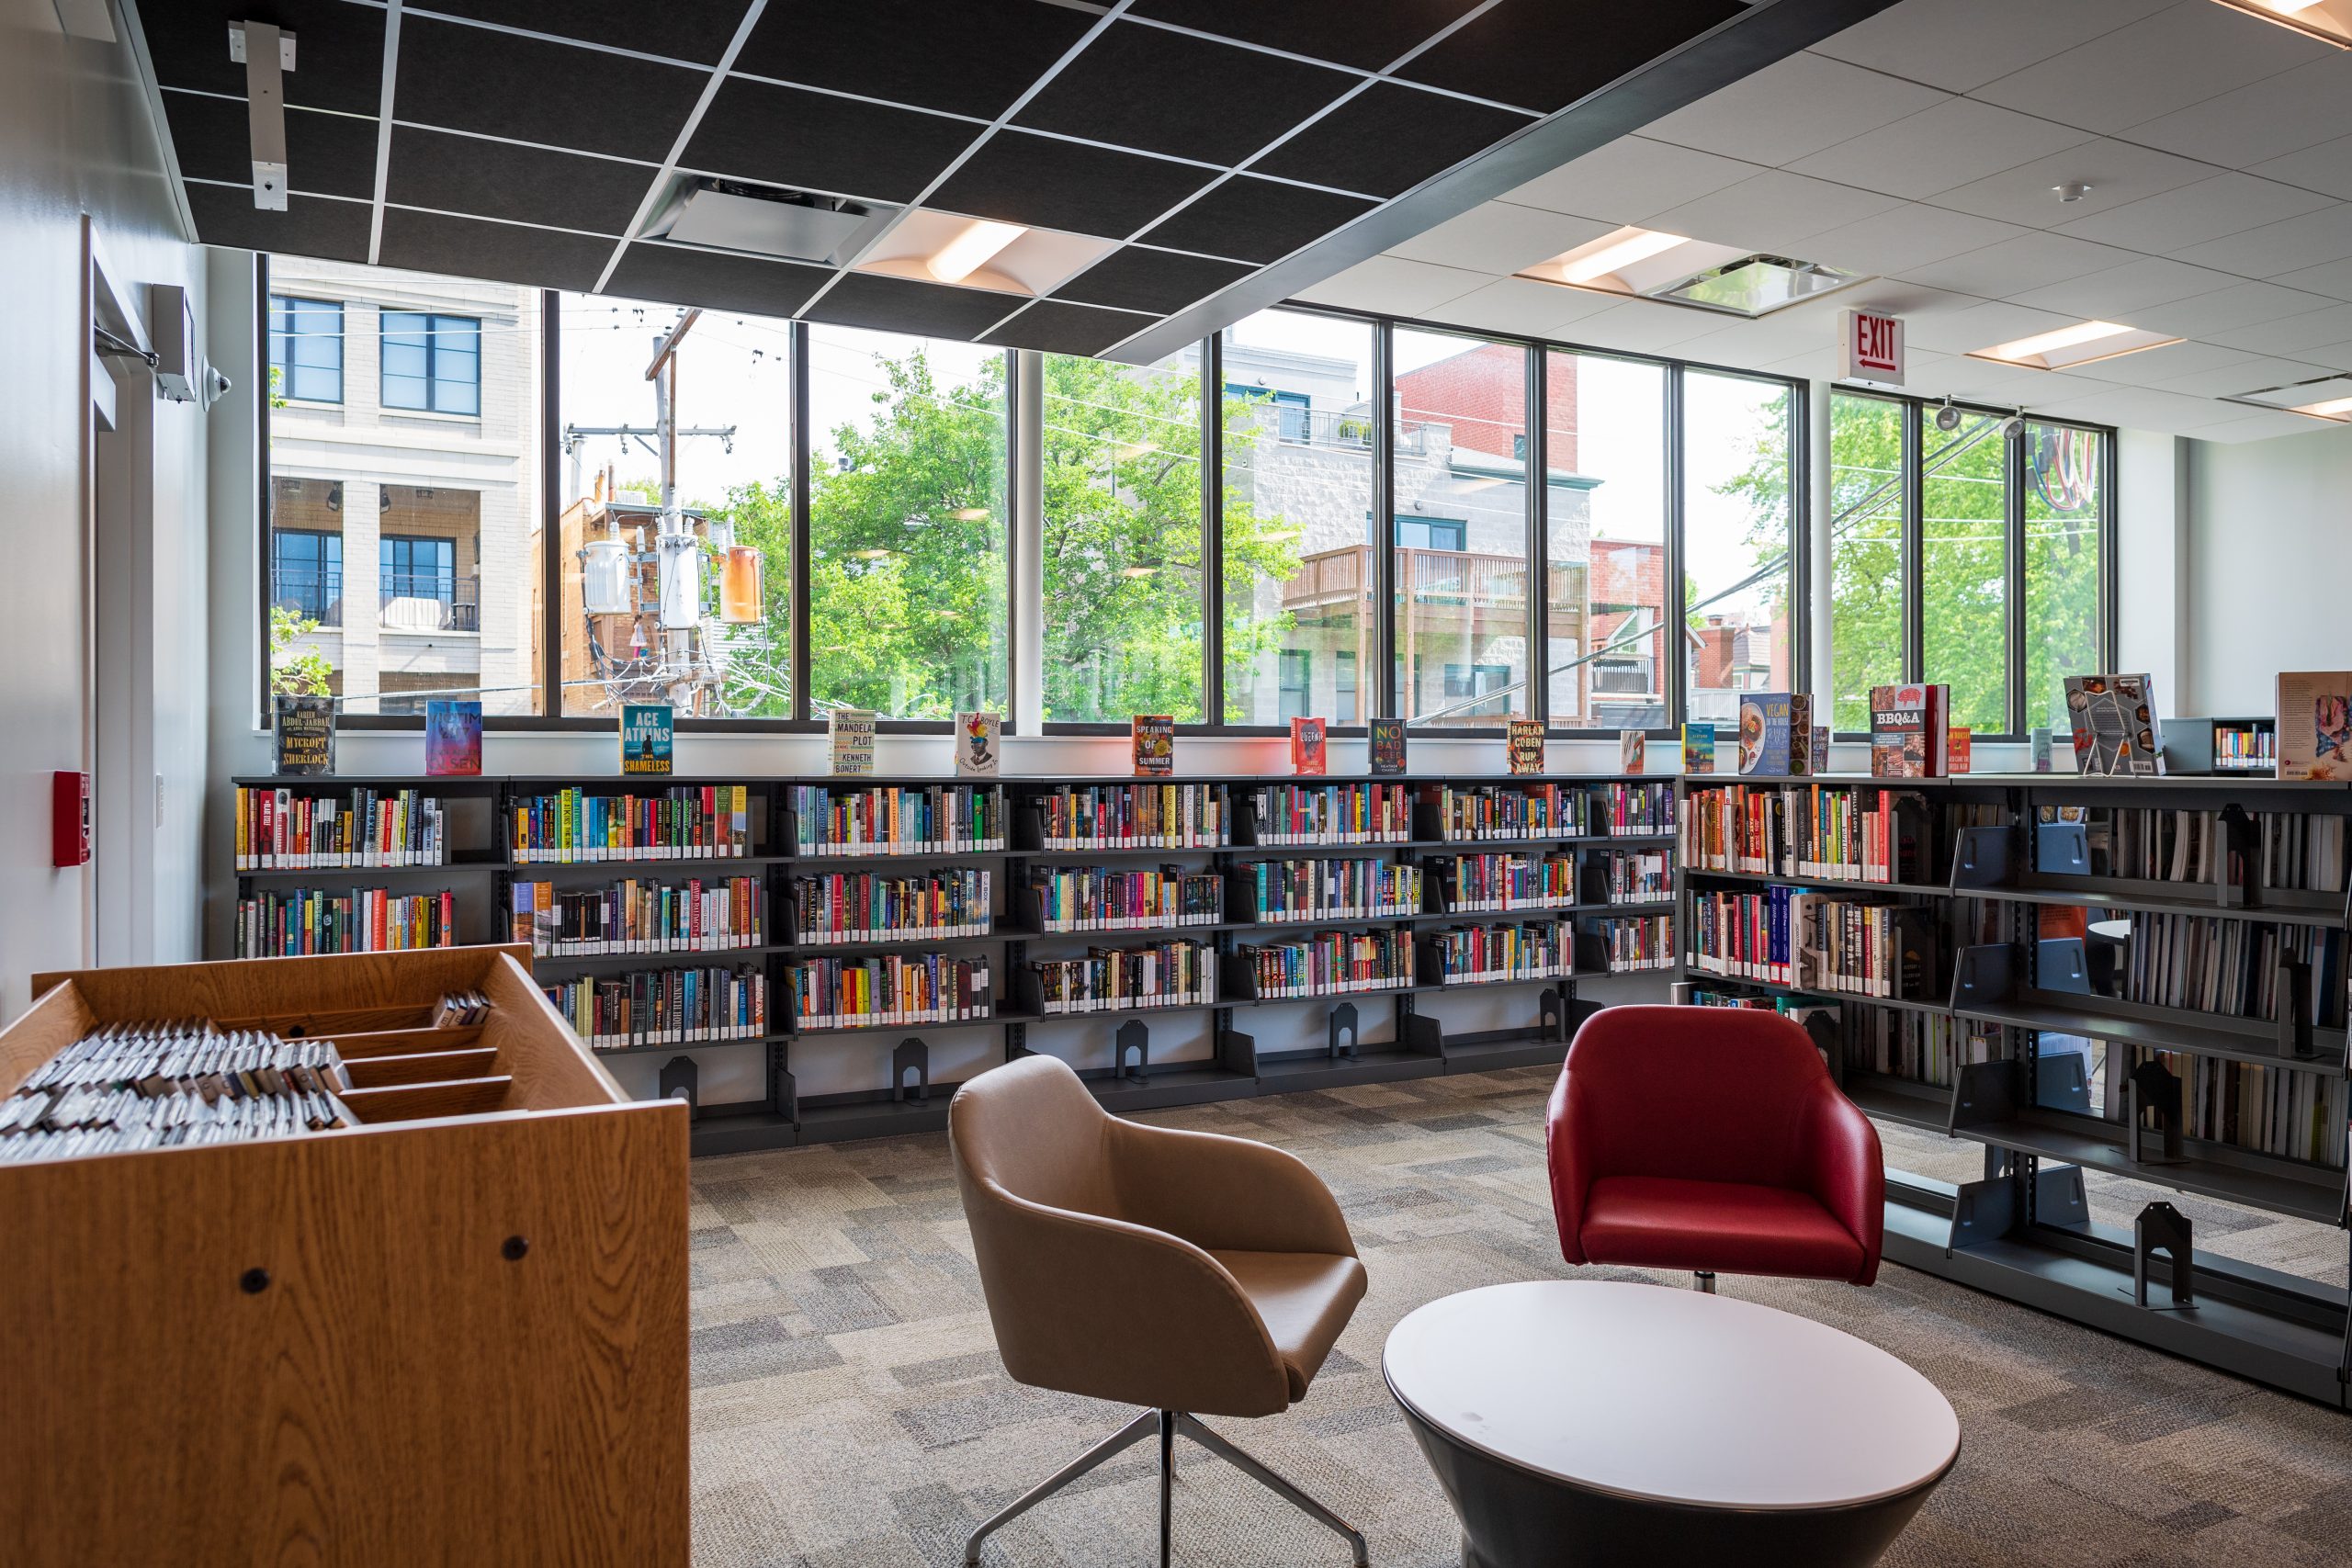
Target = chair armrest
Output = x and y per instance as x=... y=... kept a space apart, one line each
x=1089 y=1305
x=1228 y=1194
x=1568 y=1156
x=1845 y=1170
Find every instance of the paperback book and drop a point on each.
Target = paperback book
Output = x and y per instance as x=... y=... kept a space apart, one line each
x=1956 y=744
x=1907 y=732
x=305 y=728
x=645 y=737
x=2043 y=750
x=1632 y=746
x=1697 y=748
x=1154 y=736
x=2114 y=719
x=849 y=740
x=1805 y=760
x=1764 y=729
x=452 y=739
x=977 y=736
x=2314 y=724
x=1306 y=747
x=1523 y=745
x=1388 y=746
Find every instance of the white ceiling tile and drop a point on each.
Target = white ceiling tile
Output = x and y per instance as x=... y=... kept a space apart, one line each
x=1792 y=107
x=1523 y=305
x=2117 y=173
x=1773 y=211
x=1959 y=48
x=2260 y=427
x=2334 y=279
x=2240 y=305
x=1753 y=345
x=1958 y=141
x=2290 y=335
x=1631 y=179
x=2240 y=376
x=1989 y=381
x=2030 y=260
x=1396 y=287
x=1979 y=326
x=2163 y=63
x=1640 y=327
x=1499 y=238
x=2142 y=408
x=2226 y=204
x=2327 y=167
x=2310 y=239
x=2334 y=356
x=2117 y=293
x=1905 y=237
x=2287 y=112
x=1813 y=364
x=2153 y=367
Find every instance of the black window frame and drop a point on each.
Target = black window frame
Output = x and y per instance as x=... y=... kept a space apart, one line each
x=432 y=348
x=293 y=305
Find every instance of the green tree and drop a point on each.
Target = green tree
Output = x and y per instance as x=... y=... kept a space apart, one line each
x=303 y=674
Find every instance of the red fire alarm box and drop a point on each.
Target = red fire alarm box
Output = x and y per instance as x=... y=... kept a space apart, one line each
x=70 y=818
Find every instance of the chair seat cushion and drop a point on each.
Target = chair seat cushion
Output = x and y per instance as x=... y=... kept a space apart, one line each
x=1306 y=1299
x=1657 y=1221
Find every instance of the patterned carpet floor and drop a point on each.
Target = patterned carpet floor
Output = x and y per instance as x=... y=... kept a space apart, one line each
x=850 y=1410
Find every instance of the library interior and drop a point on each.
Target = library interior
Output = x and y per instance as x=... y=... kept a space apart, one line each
x=902 y=903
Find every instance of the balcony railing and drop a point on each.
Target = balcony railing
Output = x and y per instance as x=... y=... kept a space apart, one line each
x=1426 y=579
x=315 y=593
x=429 y=602
x=1334 y=430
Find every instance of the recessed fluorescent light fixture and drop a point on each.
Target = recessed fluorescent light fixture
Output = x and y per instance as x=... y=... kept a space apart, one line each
x=2327 y=397
x=1613 y=252
x=1757 y=286
x=2085 y=342
x=979 y=252
x=1648 y=264
x=963 y=256
x=2329 y=21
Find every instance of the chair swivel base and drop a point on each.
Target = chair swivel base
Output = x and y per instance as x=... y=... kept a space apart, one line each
x=1166 y=1423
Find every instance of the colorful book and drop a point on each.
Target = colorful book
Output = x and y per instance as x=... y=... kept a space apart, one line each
x=1154 y=738
x=1956 y=744
x=1764 y=728
x=2314 y=724
x=1632 y=746
x=1908 y=727
x=849 y=740
x=305 y=734
x=646 y=734
x=2043 y=750
x=977 y=737
x=1306 y=746
x=1388 y=746
x=1523 y=745
x=2114 y=719
x=1697 y=748
x=452 y=738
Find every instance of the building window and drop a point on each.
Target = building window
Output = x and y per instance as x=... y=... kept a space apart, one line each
x=306 y=575
x=1604 y=541
x=1738 y=541
x=1345 y=707
x=432 y=362
x=1466 y=683
x=1432 y=534
x=306 y=348
x=413 y=568
x=1297 y=684
x=1293 y=413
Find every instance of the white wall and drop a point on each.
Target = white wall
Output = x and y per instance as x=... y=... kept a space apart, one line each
x=2269 y=555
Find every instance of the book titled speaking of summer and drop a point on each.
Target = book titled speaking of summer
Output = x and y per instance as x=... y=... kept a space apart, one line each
x=2315 y=724
x=1154 y=737
x=452 y=739
x=1908 y=729
x=1523 y=745
x=1388 y=746
x=849 y=740
x=1764 y=720
x=1306 y=747
x=1631 y=747
x=305 y=731
x=2114 y=719
x=978 y=755
x=1697 y=748
x=646 y=734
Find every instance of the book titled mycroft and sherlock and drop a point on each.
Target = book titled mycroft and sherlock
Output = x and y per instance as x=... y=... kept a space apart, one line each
x=1388 y=746
x=977 y=751
x=849 y=740
x=1154 y=738
x=1523 y=745
x=1306 y=747
x=646 y=737
x=452 y=739
x=305 y=728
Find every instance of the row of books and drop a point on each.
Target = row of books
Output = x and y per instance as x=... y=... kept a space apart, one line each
x=1330 y=889
x=2202 y=964
x=1328 y=964
x=1790 y=936
x=1630 y=942
x=665 y=1007
x=2258 y=1106
x=906 y=819
x=640 y=915
x=1638 y=807
x=146 y=1085
x=1827 y=832
x=1509 y=811
x=304 y=920
x=2290 y=849
x=1090 y=899
x=1640 y=877
x=1476 y=883
x=866 y=905
x=888 y=989
x=288 y=831
x=1925 y=1047
x=1139 y=816
x=1539 y=950
x=1128 y=979
x=1333 y=813
x=574 y=826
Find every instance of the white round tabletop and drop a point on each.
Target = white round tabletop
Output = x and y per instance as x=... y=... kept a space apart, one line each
x=1670 y=1395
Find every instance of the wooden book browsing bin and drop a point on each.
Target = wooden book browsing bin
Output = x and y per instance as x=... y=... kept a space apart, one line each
x=454 y=1334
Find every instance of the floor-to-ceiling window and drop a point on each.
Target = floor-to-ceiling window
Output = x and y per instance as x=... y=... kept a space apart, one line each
x=1605 y=512
x=1867 y=583
x=2063 y=472
x=1964 y=566
x=1738 y=541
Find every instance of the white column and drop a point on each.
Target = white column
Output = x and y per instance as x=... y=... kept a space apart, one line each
x=2151 y=611
x=1028 y=586
x=1818 y=512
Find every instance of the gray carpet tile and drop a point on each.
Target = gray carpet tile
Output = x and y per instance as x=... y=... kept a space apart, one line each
x=850 y=1410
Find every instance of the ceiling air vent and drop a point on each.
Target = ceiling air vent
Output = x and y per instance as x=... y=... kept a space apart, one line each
x=766 y=221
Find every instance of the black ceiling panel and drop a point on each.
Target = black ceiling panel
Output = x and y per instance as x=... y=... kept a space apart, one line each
x=1050 y=184
x=1348 y=32
x=1136 y=278
x=1168 y=91
x=1259 y=220
x=1388 y=138
x=697 y=30
x=338 y=48
x=1543 y=55
x=531 y=90
x=311 y=225
x=824 y=142
x=504 y=252
x=525 y=185
x=677 y=276
x=901 y=305
x=1057 y=328
x=968 y=57
x=326 y=155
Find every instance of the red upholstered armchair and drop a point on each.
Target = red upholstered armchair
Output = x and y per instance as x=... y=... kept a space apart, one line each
x=1708 y=1139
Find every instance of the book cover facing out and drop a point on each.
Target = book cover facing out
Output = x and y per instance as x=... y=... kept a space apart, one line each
x=1523 y=745
x=1956 y=744
x=1388 y=746
x=1764 y=733
x=305 y=727
x=978 y=735
x=2314 y=724
x=1154 y=735
x=646 y=733
x=1631 y=747
x=849 y=740
x=2043 y=750
x=2114 y=719
x=1697 y=748
x=452 y=738
x=1306 y=747
x=1907 y=731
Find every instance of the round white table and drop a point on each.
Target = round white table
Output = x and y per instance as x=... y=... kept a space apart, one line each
x=1575 y=1421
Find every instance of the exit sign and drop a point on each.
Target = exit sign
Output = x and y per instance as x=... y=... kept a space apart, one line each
x=1870 y=348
